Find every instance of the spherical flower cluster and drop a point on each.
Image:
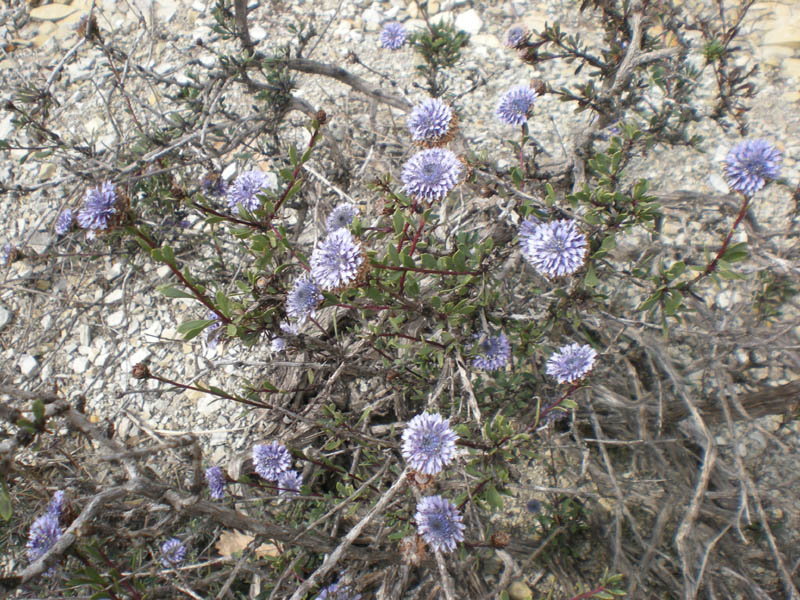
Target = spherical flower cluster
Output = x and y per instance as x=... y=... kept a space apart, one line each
x=245 y=190
x=5 y=254
x=270 y=460
x=439 y=523
x=393 y=36
x=98 y=207
x=336 y=260
x=554 y=249
x=289 y=483
x=516 y=104
x=428 y=443
x=571 y=363
x=431 y=174
x=337 y=592
x=750 y=164
x=302 y=299
x=44 y=532
x=216 y=482
x=342 y=216
x=493 y=352
x=172 y=552
x=516 y=36
x=429 y=122
x=64 y=221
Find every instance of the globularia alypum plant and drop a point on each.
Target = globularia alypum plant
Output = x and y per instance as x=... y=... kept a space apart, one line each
x=415 y=361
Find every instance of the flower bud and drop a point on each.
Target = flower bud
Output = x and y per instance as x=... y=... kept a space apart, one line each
x=140 y=371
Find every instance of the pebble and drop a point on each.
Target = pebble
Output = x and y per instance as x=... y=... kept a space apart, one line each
x=469 y=21
x=80 y=364
x=519 y=590
x=114 y=296
x=28 y=365
x=116 y=319
x=5 y=316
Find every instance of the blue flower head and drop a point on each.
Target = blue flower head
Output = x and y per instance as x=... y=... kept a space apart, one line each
x=493 y=352
x=245 y=190
x=64 y=221
x=430 y=122
x=289 y=483
x=428 y=443
x=216 y=482
x=750 y=164
x=571 y=363
x=172 y=552
x=302 y=299
x=516 y=36
x=516 y=104
x=393 y=36
x=270 y=460
x=336 y=260
x=335 y=591
x=439 y=523
x=342 y=216
x=98 y=208
x=554 y=249
x=56 y=505
x=431 y=174
x=44 y=532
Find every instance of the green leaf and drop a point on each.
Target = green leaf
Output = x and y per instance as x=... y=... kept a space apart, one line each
x=735 y=253
x=191 y=329
x=494 y=499
x=429 y=261
x=591 y=279
x=460 y=261
x=6 y=507
x=38 y=411
x=172 y=292
x=672 y=302
x=398 y=222
x=292 y=157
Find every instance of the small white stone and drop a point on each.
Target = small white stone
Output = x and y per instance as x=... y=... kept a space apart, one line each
x=228 y=171
x=469 y=21
x=258 y=33
x=101 y=359
x=5 y=316
x=139 y=356
x=163 y=271
x=84 y=334
x=371 y=16
x=47 y=322
x=208 y=404
x=718 y=183
x=80 y=364
x=115 y=296
x=219 y=438
x=28 y=365
x=116 y=319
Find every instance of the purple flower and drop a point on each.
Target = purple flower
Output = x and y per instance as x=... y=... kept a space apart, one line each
x=270 y=460
x=43 y=534
x=431 y=174
x=212 y=339
x=393 y=36
x=342 y=216
x=336 y=592
x=571 y=363
x=289 y=483
x=439 y=523
x=214 y=185
x=64 y=221
x=516 y=104
x=245 y=190
x=516 y=36
x=554 y=249
x=430 y=121
x=750 y=164
x=428 y=443
x=302 y=299
x=278 y=344
x=97 y=209
x=493 y=352
x=5 y=254
x=335 y=260
x=56 y=505
x=172 y=552
x=216 y=482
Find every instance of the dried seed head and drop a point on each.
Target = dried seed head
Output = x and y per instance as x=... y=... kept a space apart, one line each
x=140 y=371
x=486 y=191
x=322 y=117
x=421 y=481
x=412 y=550
x=500 y=539
x=539 y=86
